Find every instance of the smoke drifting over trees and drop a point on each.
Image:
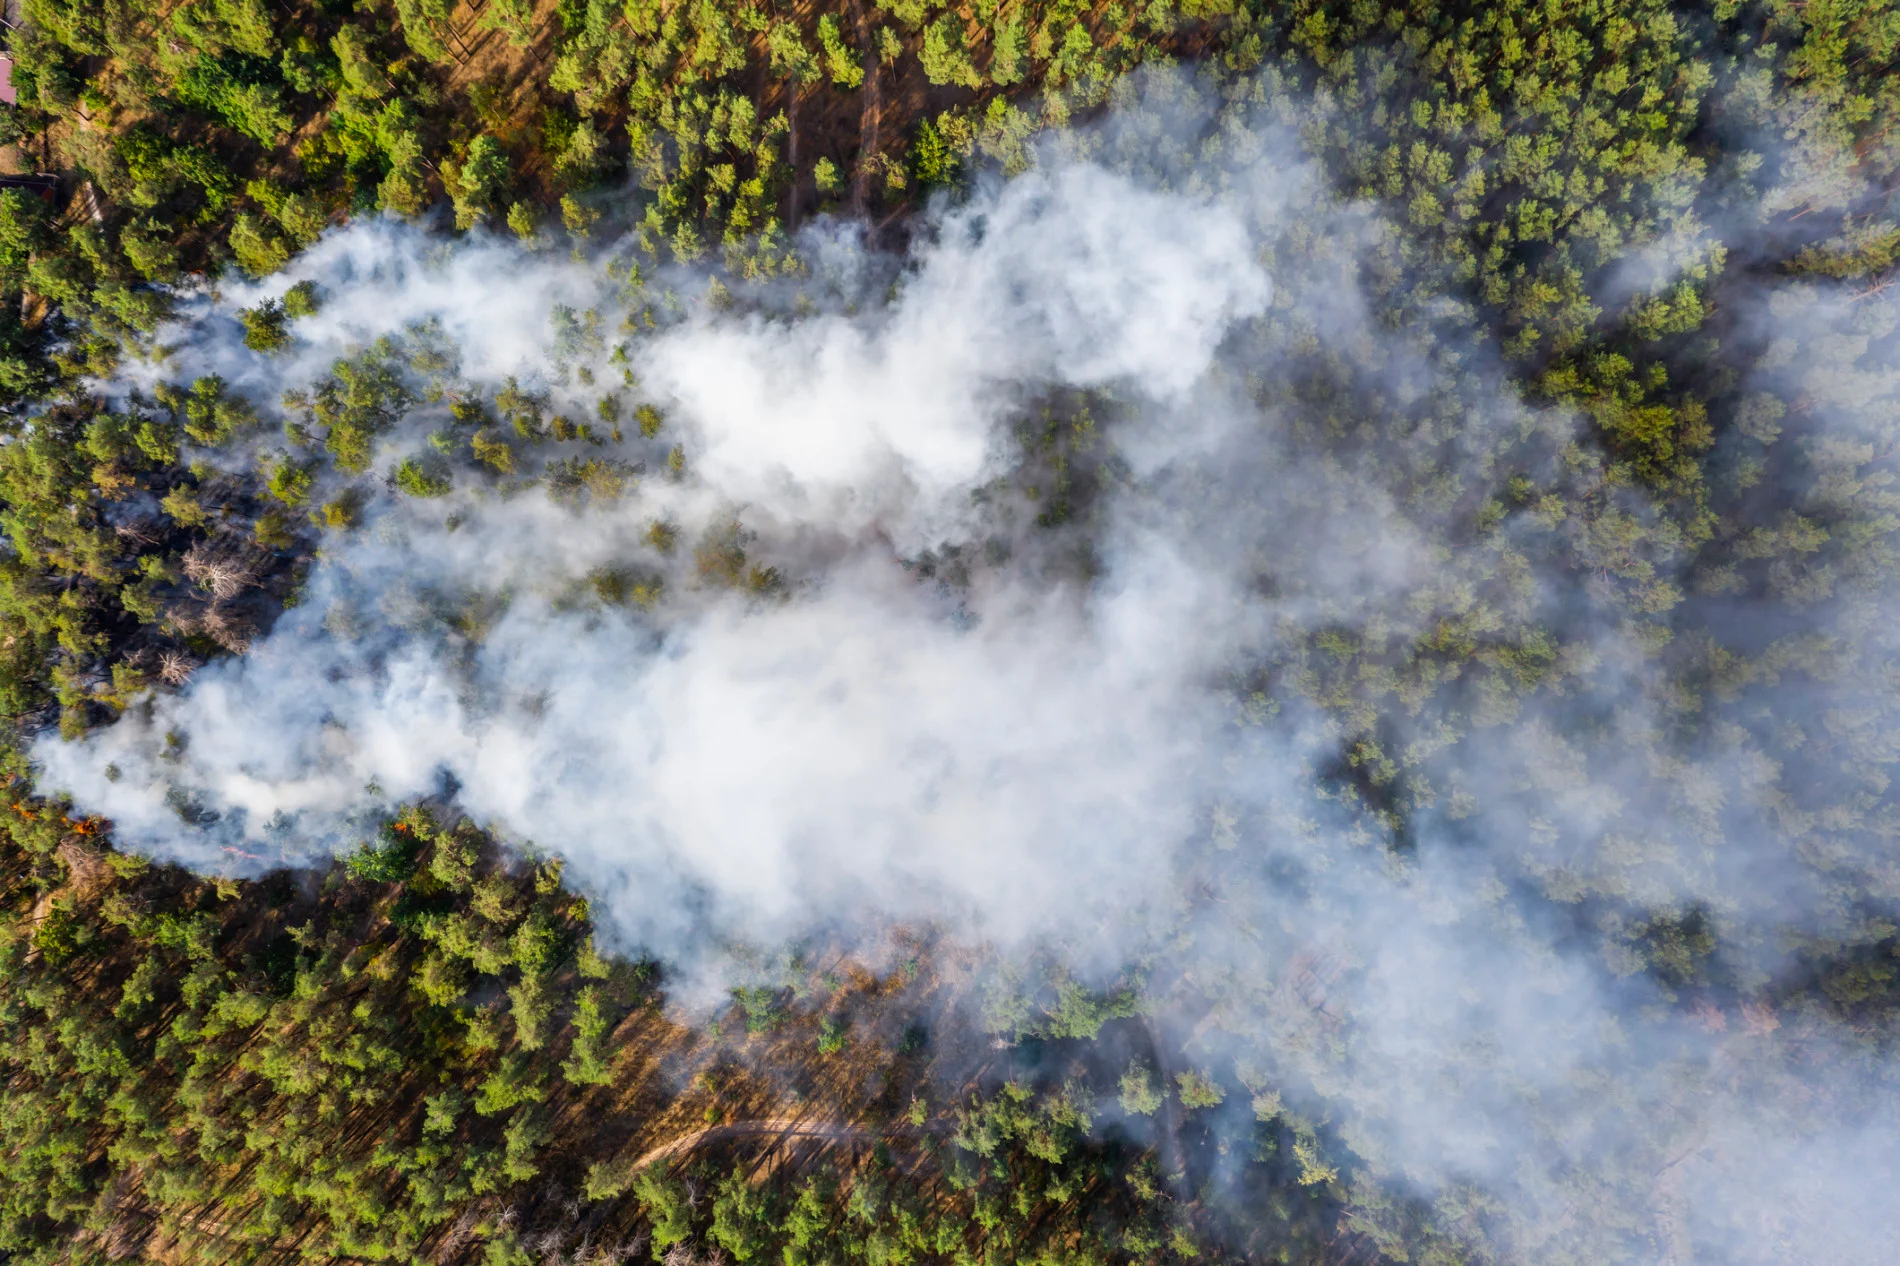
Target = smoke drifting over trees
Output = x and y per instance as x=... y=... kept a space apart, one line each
x=1140 y=574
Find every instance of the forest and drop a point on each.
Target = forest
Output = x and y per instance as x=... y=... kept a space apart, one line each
x=727 y=631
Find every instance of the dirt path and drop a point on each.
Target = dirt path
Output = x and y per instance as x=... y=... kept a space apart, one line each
x=873 y=112
x=784 y=1129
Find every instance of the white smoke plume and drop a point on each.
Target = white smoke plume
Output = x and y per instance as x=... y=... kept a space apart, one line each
x=935 y=708
x=771 y=758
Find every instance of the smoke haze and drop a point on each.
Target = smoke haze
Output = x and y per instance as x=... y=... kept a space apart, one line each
x=1048 y=537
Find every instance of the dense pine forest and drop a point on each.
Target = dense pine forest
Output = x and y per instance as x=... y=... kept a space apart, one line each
x=729 y=631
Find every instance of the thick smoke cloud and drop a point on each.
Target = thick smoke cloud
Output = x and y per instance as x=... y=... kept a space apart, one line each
x=1054 y=733
x=860 y=741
